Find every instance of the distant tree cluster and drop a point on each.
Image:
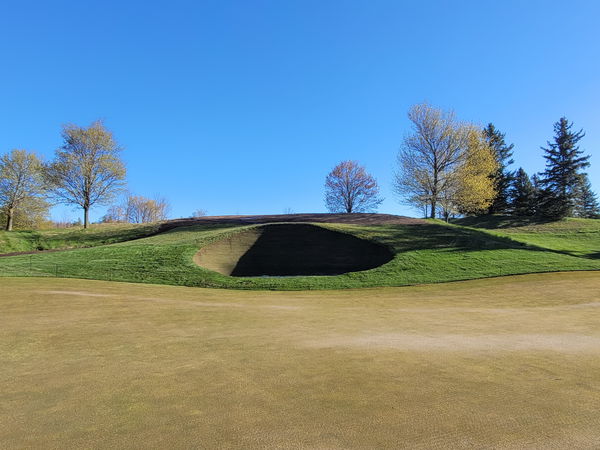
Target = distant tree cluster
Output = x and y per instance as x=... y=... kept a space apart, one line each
x=448 y=168
x=86 y=171
x=138 y=209
x=563 y=189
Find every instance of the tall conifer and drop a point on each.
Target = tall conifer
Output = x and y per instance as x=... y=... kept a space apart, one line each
x=564 y=162
x=502 y=176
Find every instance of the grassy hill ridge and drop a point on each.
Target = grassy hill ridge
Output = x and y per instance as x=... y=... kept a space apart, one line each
x=426 y=252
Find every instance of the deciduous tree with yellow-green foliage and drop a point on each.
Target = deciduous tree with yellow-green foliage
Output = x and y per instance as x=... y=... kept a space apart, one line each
x=475 y=187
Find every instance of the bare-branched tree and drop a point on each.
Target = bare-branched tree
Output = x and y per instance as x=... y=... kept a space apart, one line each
x=199 y=213
x=349 y=188
x=429 y=156
x=138 y=209
x=445 y=165
x=87 y=169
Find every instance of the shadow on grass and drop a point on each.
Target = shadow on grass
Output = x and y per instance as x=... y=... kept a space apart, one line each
x=492 y=222
x=437 y=236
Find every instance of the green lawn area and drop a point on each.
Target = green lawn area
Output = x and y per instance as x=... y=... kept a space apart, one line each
x=510 y=362
x=74 y=237
x=424 y=253
x=578 y=237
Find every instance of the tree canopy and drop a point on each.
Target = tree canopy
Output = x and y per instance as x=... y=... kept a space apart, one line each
x=444 y=164
x=349 y=188
x=87 y=169
x=564 y=165
x=502 y=176
x=21 y=186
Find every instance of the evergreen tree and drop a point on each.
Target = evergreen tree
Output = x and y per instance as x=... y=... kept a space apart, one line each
x=586 y=203
x=564 y=161
x=539 y=192
x=502 y=176
x=522 y=194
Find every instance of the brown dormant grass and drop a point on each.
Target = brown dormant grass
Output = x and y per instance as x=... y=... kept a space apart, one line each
x=500 y=363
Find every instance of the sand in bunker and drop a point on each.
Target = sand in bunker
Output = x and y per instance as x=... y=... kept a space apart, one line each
x=563 y=343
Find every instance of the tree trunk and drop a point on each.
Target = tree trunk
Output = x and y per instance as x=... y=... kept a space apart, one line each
x=9 y=219
x=432 y=209
x=85 y=217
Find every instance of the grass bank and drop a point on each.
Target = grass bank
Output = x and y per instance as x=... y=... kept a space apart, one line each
x=423 y=253
x=577 y=237
x=74 y=237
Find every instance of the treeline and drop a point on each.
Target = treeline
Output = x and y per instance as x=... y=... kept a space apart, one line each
x=86 y=171
x=450 y=168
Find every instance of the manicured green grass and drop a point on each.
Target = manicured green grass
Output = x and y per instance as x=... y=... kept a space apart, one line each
x=508 y=362
x=75 y=237
x=424 y=253
x=579 y=237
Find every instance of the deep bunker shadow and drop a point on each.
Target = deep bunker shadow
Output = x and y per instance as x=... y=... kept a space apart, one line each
x=292 y=250
x=300 y=249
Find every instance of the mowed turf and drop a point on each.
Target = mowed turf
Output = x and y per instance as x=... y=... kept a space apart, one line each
x=423 y=252
x=510 y=362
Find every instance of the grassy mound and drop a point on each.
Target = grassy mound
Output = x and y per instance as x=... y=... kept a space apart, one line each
x=291 y=250
x=76 y=237
x=427 y=252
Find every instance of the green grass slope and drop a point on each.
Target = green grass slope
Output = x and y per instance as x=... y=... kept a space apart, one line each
x=76 y=237
x=578 y=237
x=424 y=253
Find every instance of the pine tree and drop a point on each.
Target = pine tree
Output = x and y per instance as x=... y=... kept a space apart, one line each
x=539 y=192
x=564 y=161
x=586 y=203
x=502 y=176
x=522 y=194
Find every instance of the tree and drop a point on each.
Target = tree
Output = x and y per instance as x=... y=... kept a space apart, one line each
x=502 y=177
x=87 y=169
x=564 y=162
x=349 y=188
x=586 y=203
x=21 y=181
x=469 y=189
x=31 y=214
x=199 y=213
x=114 y=214
x=429 y=157
x=138 y=209
x=475 y=186
x=522 y=194
x=445 y=164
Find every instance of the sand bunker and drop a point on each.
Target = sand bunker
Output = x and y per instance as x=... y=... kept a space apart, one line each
x=291 y=250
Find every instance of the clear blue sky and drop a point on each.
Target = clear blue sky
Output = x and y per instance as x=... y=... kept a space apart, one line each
x=242 y=107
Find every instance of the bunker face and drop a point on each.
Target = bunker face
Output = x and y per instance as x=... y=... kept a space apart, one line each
x=291 y=250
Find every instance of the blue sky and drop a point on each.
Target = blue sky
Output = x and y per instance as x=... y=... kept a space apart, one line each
x=242 y=107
